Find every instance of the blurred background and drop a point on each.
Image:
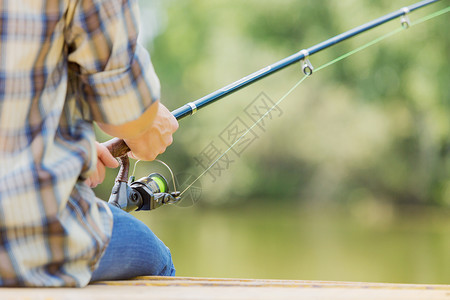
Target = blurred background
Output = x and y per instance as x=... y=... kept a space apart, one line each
x=347 y=179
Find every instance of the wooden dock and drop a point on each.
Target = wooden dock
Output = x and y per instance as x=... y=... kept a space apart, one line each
x=177 y=288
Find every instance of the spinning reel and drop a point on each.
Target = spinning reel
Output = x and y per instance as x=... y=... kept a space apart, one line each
x=146 y=193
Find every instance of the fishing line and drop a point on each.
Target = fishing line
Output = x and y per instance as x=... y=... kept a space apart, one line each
x=134 y=168
x=161 y=162
x=171 y=173
x=245 y=133
x=379 y=39
x=373 y=42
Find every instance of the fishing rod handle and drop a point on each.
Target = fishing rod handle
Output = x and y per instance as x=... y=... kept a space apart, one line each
x=117 y=147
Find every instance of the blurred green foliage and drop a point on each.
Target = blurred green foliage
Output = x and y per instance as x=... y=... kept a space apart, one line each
x=373 y=126
x=322 y=182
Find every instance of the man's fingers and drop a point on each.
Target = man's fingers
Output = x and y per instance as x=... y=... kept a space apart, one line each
x=143 y=156
x=175 y=125
x=97 y=176
x=156 y=138
x=92 y=181
x=106 y=157
x=88 y=182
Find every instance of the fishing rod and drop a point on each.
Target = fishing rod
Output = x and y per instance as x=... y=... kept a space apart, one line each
x=152 y=191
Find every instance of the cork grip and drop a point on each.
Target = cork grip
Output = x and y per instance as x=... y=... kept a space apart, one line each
x=117 y=147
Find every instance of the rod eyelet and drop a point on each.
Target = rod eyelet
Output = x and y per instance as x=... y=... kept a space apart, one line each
x=307 y=67
x=404 y=20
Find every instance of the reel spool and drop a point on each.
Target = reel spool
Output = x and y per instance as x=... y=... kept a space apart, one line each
x=147 y=193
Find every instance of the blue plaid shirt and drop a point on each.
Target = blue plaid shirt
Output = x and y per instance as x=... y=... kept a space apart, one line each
x=63 y=65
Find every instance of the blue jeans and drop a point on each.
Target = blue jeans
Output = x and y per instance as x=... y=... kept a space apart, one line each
x=134 y=250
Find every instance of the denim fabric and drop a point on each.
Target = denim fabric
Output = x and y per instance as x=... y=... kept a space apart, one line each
x=134 y=250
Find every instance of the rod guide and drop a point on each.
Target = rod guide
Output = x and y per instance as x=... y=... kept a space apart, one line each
x=307 y=67
x=404 y=20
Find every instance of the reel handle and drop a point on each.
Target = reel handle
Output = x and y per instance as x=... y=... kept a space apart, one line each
x=129 y=195
x=117 y=147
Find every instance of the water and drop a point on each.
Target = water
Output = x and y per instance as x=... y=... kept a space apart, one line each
x=362 y=242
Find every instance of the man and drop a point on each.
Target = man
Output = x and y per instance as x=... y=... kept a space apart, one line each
x=64 y=65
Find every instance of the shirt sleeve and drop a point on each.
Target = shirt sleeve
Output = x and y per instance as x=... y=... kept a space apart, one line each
x=115 y=74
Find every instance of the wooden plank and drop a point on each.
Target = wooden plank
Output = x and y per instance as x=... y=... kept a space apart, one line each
x=180 y=288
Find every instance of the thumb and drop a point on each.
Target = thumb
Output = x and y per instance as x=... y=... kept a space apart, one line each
x=105 y=156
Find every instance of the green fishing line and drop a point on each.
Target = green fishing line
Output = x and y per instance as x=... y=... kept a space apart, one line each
x=371 y=43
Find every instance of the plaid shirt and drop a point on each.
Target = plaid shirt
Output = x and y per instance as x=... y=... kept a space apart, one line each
x=63 y=65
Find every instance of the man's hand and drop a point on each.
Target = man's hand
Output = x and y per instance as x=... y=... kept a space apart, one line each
x=154 y=140
x=105 y=159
